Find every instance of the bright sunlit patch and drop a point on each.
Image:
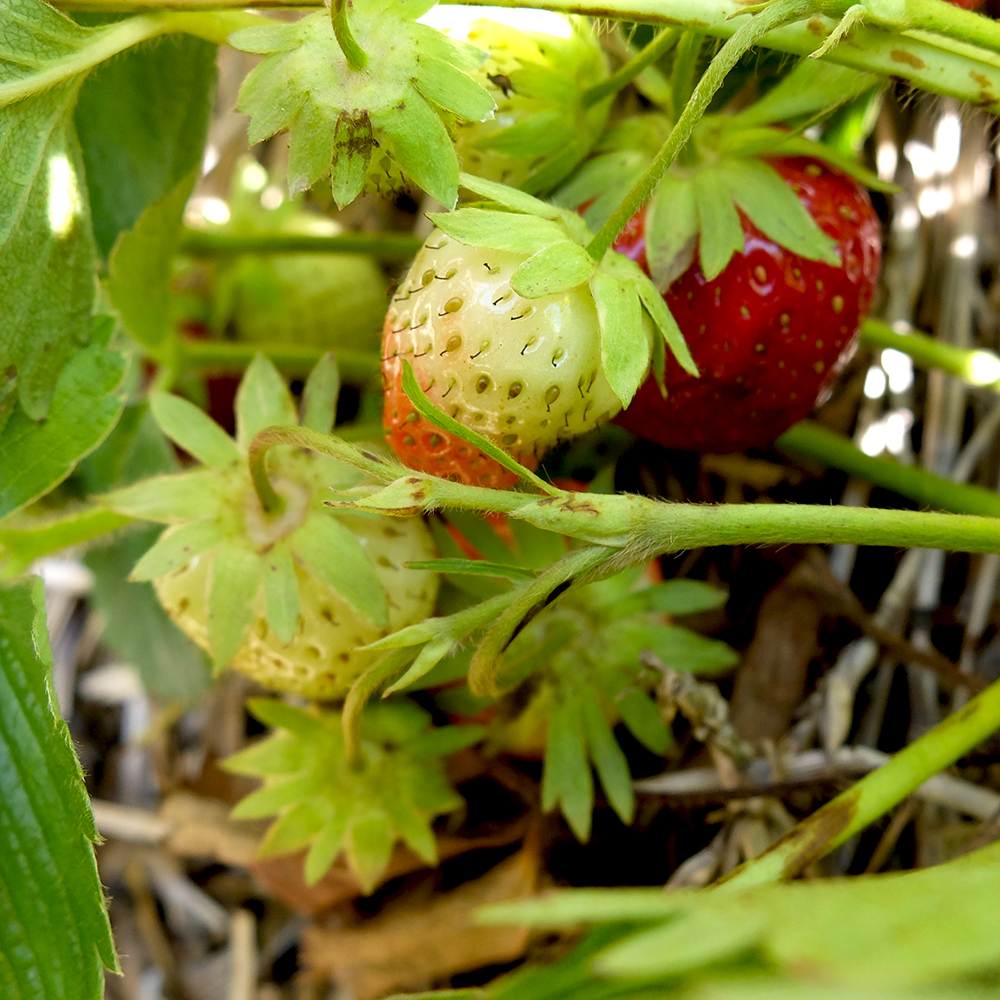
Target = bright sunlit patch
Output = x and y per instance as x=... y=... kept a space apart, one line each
x=923 y=162
x=983 y=368
x=899 y=369
x=64 y=196
x=886 y=160
x=875 y=383
x=897 y=426
x=272 y=197
x=965 y=246
x=253 y=177
x=213 y=210
x=935 y=200
x=456 y=19
x=906 y=218
x=873 y=440
x=947 y=142
x=210 y=160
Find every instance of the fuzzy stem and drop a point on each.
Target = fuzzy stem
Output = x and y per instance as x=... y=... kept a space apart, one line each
x=851 y=811
x=745 y=37
x=384 y=246
x=977 y=367
x=659 y=46
x=357 y=59
x=809 y=440
x=230 y=355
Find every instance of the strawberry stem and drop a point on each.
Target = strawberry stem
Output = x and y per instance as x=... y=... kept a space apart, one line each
x=355 y=55
x=299 y=359
x=851 y=811
x=624 y=75
x=384 y=246
x=746 y=36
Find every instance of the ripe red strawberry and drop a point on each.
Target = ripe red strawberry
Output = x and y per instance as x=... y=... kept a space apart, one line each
x=771 y=332
x=526 y=373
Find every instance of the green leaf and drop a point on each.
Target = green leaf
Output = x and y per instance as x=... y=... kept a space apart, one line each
x=273 y=798
x=294 y=829
x=54 y=938
x=47 y=251
x=369 y=847
x=326 y=847
x=509 y=197
x=85 y=407
x=175 y=547
x=428 y=658
x=720 y=231
x=556 y=268
x=281 y=592
x=137 y=629
x=643 y=718
x=499 y=230
x=142 y=119
x=333 y=554
x=196 y=432
x=412 y=827
x=567 y=781
x=263 y=400
x=319 y=398
x=141 y=265
x=236 y=573
x=418 y=140
x=671 y=230
x=186 y=496
x=625 y=336
x=279 y=754
x=775 y=210
x=610 y=762
x=451 y=89
x=664 y=321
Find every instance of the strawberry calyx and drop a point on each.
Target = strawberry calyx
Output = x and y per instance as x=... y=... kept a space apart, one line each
x=308 y=85
x=391 y=790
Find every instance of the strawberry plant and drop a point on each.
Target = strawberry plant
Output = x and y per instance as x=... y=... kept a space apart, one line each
x=653 y=215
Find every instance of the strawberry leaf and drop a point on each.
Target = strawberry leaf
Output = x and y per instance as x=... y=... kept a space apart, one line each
x=175 y=547
x=557 y=268
x=281 y=593
x=671 y=230
x=192 y=429
x=775 y=210
x=333 y=554
x=625 y=335
x=496 y=230
x=262 y=400
x=236 y=574
x=720 y=231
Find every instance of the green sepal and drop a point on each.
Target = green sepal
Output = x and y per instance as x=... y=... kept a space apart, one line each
x=720 y=232
x=671 y=230
x=281 y=592
x=418 y=140
x=601 y=182
x=368 y=846
x=273 y=797
x=187 y=496
x=474 y=567
x=505 y=231
x=333 y=554
x=672 y=597
x=412 y=827
x=774 y=209
x=644 y=720
x=567 y=781
x=175 y=547
x=319 y=398
x=509 y=197
x=557 y=268
x=609 y=760
x=680 y=648
x=280 y=754
x=536 y=136
x=352 y=154
x=451 y=89
x=626 y=340
x=236 y=573
x=192 y=429
x=296 y=828
x=427 y=659
x=262 y=400
x=326 y=847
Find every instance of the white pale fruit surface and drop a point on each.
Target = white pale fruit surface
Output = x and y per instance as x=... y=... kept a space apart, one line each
x=323 y=658
x=524 y=372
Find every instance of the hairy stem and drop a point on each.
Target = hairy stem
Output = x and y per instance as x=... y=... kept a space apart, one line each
x=356 y=57
x=745 y=37
x=659 y=46
x=851 y=811
x=384 y=246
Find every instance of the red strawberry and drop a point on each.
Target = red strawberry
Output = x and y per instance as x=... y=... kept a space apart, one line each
x=771 y=332
x=526 y=373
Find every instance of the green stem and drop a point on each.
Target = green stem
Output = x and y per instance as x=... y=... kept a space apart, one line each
x=977 y=367
x=745 y=37
x=231 y=355
x=384 y=246
x=851 y=811
x=624 y=75
x=809 y=440
x=356 y=57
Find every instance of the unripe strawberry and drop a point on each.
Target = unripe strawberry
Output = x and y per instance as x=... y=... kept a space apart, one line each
x=526 y=373
x=287 y=597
